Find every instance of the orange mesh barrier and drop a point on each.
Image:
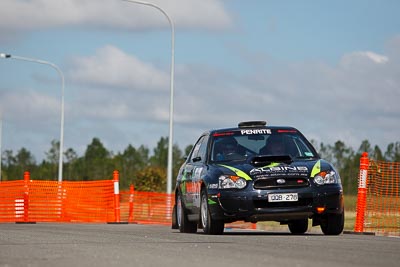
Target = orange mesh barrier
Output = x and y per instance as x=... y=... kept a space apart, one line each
x=382 y=200
x=29 y=200
x=146 y=207
x=12 y=201
x=52 y=201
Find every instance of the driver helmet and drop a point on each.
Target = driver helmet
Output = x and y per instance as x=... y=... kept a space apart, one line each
x=275 y=145
x=225 y=146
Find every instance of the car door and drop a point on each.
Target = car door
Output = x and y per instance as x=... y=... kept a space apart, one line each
x=198 y=173
x=192 y=173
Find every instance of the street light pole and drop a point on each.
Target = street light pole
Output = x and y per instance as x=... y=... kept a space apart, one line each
x=60 y=159
x=171 y=104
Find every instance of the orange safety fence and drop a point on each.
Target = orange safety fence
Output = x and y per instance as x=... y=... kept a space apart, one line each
x=378 y=204
x=31 y=201
x=146 y=207
x=51 y=201
x=156 y=208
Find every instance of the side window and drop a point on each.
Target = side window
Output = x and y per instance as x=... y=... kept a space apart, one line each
x=199 y=149
x=203 y=148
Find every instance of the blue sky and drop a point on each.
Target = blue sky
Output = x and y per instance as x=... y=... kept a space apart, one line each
x=329 y=68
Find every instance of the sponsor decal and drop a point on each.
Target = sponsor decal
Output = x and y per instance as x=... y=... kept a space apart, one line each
x=211 y=202
x=280 y=170
x=213 y=186
x=238 y=172
x=255 y=131
x=316 y=169
x=197 y=173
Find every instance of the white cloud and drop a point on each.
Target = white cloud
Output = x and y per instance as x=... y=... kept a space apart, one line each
x=353 y=101
x=29 y=107
x=19 y=15
x=111 y=67
x=362 y=59
x=30 y=119
x=380 y=59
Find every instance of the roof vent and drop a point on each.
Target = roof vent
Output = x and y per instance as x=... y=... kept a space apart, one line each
x=250 y=124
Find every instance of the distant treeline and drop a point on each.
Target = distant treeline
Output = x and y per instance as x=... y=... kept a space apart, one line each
x=147 y=172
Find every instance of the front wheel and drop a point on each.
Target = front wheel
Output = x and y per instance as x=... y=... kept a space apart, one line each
x=174 y=219
x=184 y=225
x=209 y=225
x=332 y=224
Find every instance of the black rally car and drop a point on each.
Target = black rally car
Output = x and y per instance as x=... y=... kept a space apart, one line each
x=257 y=173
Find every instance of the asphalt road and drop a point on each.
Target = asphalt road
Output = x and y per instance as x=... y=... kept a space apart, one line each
x=147 y=245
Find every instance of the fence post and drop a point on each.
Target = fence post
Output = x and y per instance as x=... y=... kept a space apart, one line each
x=26 y=195
x=362 y=193
x=116 y=197
x=117 y=207
x=131 y=191
x=27 y=178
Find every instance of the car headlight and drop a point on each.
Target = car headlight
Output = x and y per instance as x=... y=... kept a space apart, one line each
x=231 y=181
x=330 y=177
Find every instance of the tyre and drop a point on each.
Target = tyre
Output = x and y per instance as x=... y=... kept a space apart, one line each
x=174 y=219
x=184 y=225
x=209 y=225
x=298 y=226
x=332 y=224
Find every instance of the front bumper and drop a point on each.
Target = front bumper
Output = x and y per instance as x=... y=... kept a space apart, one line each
x=253 y=205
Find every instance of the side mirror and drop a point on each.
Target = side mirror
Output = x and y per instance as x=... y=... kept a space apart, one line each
x=196 y=159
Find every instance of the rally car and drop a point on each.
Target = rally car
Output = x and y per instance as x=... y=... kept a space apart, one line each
x=253 y=173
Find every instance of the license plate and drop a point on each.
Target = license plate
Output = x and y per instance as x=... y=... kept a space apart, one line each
x=283 y=197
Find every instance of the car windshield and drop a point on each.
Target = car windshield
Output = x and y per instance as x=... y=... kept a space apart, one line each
x=240 y=145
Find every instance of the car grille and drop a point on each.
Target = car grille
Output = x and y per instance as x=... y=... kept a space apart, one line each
x=279 y=182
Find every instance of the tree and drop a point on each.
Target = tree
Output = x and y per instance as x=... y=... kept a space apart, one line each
x=160 y=153
x=341 y=153
x=377 y=154
x=130 y=162
x=9 y=158
x=25 y=159
x=70 y=155
x=393 y=152
x=71 y=158
x=149 y=173
x=10 y=164
x=151 y=179
x=18 y=164
x=50 y=168
x=53 y=153
x=365 y=147
x=325 y=152
x=96 y=162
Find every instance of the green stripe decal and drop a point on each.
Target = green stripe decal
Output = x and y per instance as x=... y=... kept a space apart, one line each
x=211 y=202
x=316 y=169
x=238 y=172
x=273 y=164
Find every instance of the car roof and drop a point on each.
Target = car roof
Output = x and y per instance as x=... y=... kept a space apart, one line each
x=250 y=125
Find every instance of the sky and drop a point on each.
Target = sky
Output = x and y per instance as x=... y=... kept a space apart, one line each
x=329 y=68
